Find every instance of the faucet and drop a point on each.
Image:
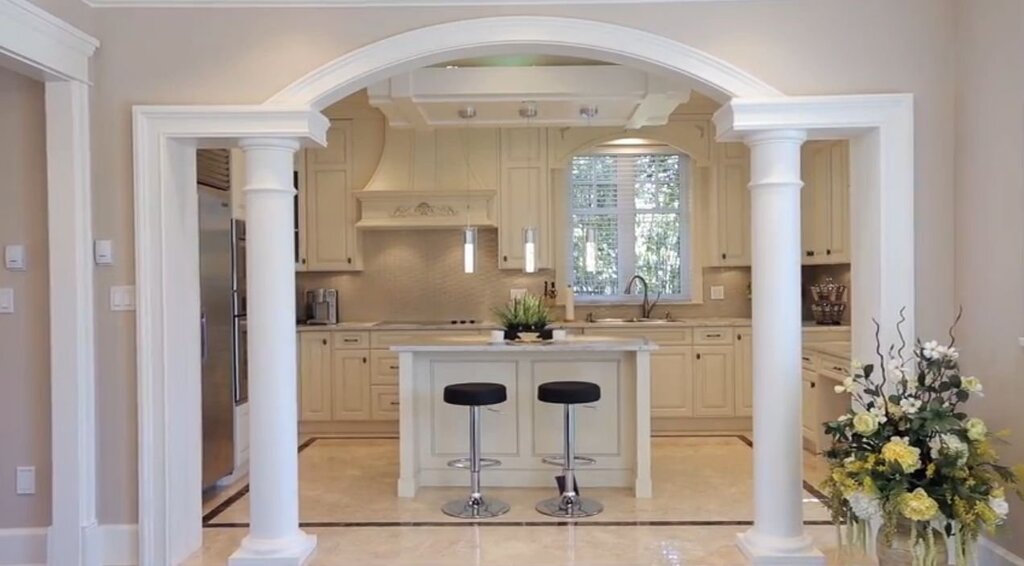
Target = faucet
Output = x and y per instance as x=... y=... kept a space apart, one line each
x=647 y=307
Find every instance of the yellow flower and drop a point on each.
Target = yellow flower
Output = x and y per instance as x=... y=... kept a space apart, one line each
x=918 y=506
x=986 y=514
x=899 y=450
x=976 y=429
x=865 y=424
x=930 y=470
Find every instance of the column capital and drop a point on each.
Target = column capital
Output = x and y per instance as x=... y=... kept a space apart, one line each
x=759 y=137
x=280 y=144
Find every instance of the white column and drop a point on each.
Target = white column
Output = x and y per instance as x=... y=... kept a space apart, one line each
x=274 y=536
x=777 y=536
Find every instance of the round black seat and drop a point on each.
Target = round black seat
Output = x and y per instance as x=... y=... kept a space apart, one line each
x=569 y=392
x=475 y=394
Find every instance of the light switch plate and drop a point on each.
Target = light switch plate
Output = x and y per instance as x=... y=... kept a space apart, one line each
x=14 y=257
x=516 y=293
x=25 y=480
x=103 y=252
x=122 y=298
x=717 y=292
x=6 y=300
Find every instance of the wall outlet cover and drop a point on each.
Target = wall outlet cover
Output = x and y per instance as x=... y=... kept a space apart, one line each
x=14 y=257
x=6 y=300
x=518 y=293
x=26 y=480
x=717 y=292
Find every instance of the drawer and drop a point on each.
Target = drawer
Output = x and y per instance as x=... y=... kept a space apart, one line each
x=809 y=362
x=713 y=336
x=383 y=339
x=825 y=334
x=384 y=367
x=833 y=368
x=384 y=403
x=660 y=336
x=350 y=340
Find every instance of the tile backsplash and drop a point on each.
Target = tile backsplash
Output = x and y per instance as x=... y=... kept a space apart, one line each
x=417 y=276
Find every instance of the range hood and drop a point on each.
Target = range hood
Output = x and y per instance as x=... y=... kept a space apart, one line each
x=432 y=179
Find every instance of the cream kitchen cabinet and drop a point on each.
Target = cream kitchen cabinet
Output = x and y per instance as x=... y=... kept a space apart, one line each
x=328 y=236
x=713 y=381
x=350 y=385
x=315 y=376
x=730 y=202
x=825 y=217
x=672 y=382
x=744 y=372
x=809 y=408
x=524 y=196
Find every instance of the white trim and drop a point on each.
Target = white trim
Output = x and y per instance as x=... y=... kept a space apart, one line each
x=990 y=553
x=165 y=138
x=370 y=3
x=120 y=545
x=23 y=547
x=45 y=46
x=434 y=44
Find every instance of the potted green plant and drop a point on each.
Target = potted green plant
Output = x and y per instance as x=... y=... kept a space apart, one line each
x=524 y=315
x=908 y=456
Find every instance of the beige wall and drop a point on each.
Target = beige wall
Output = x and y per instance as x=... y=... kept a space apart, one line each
x=24 y=335
x=239 y=56
x=990 y=218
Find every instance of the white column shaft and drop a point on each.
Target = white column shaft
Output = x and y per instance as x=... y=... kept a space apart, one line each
x=775 y=243
x=273 y=420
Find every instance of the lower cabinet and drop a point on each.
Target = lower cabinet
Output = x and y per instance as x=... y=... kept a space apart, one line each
x=744 y=373
x=809 y=407
x=334 y=383
x=672 y=382
x=350 y=385
x=315 y=376
x=714 y=381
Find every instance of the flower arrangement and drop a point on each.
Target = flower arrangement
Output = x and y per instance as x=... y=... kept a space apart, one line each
x=908 y=454
x=525 y=314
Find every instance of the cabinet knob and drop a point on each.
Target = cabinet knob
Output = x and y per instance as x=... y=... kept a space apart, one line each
x=698 y=355
x=350 y=261
x=325 y=341
x=828 y=252
x=303 y=260
x=364 y=360
x=723 y=256
x=739 y=337
x=813 y=385
x=393 y=403
x=504 y=258
x=810 y=253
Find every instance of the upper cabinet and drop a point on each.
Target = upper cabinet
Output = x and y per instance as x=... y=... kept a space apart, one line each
x=730 y=202
x=825 y=217
x=825 y=227
x=524 y=196
x=330 y=238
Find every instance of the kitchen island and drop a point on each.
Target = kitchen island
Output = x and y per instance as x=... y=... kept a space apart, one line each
x=616 y=431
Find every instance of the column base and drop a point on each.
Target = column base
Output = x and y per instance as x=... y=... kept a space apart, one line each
x=294 y=551
x=771 y=551
x=407 y=487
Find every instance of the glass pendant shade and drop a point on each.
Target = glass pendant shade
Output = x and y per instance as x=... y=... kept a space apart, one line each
x=469 y=250
x=530 y=249
x=590 y=252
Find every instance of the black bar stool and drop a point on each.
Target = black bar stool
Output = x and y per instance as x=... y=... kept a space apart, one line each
x=569 y=393
x=474 y=396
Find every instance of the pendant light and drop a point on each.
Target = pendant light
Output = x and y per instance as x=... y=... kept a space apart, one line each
x=469 y=249
x=590 y=252
x=530 y=249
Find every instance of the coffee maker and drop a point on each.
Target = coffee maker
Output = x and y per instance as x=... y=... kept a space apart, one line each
x=322 y=306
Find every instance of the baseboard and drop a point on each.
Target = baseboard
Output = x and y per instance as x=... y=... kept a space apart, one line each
x=120 y=545
x=990 y=553
x=23 y=547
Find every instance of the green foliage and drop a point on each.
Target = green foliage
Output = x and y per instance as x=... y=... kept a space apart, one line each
x=527 y=313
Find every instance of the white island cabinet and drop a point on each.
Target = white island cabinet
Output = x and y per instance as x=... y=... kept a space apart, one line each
x=616 y=431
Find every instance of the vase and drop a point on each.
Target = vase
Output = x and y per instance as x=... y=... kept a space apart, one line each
x=900 y=550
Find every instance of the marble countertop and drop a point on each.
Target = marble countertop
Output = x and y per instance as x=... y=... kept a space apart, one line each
x=491 y=325
x=471 y=344
x=835 y=349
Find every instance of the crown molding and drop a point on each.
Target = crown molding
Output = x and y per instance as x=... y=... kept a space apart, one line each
x=370 y=3
x=44 y=43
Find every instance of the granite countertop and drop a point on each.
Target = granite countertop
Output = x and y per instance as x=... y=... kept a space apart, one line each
x=491 y=325
x=571 y=344
x=834 y=349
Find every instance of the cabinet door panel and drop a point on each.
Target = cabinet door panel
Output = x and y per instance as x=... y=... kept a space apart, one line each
x=327 y=209
x=713 y=381
x=809 y=411
x=524 y=196
x=314 y=376
x=672 y=382
x=732 y=201
x=839 y=205
x=350 y=385
x=744 y=373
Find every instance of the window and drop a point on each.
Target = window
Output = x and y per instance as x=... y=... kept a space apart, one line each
x=637 y=202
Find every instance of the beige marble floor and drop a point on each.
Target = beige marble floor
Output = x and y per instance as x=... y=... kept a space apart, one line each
x=695 y=479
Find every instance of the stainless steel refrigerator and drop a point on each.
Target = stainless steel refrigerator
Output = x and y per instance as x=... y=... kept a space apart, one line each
x=222 y=310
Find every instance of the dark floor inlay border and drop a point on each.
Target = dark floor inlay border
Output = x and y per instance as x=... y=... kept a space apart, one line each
x=808 y=486
x=581 y=523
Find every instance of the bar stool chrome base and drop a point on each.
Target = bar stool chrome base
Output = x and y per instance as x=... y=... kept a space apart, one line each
x=476 y=507
x=569 y=507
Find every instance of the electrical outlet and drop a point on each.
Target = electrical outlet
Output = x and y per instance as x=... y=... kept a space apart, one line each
x=6 y=301
x=516 y=293
x=26 y=480
x=718 y=292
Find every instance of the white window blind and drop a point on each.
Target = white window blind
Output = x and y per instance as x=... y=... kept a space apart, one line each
x=637 y=201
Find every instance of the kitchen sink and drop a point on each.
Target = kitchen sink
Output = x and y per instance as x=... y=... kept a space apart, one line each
x=632 y=320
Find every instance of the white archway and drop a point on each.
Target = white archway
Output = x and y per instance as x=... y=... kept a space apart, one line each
x=165 y=210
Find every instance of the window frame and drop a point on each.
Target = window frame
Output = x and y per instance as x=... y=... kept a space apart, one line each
x=627 y=266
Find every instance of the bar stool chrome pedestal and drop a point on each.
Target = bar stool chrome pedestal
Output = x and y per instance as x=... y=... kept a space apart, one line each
x=569 y=504
x=474 y=396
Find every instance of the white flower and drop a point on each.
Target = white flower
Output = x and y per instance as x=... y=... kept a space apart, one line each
x=864 y=505
x=910 y=405
x=844 y=418
x=976 y=429
x=879 y=413
x=857 y=366
x=949 y=445
x=848 y=385
x=1000 y=506
x=928 y=350
x=971 y=384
